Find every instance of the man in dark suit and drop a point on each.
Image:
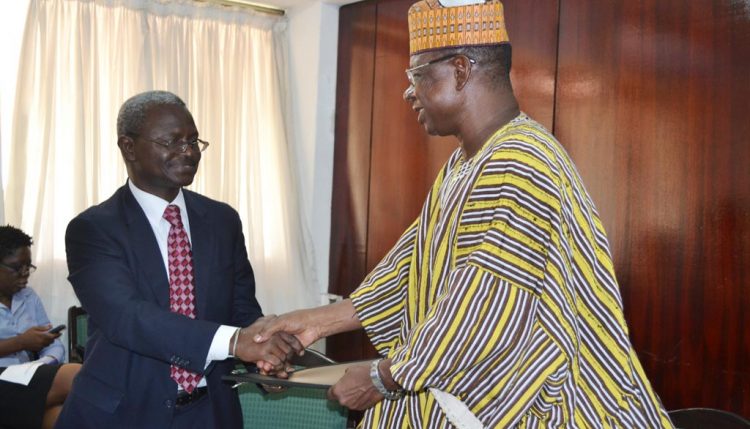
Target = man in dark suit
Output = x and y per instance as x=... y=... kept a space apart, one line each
x=164 y=276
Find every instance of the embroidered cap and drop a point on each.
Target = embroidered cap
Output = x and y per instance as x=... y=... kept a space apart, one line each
x=435 y=24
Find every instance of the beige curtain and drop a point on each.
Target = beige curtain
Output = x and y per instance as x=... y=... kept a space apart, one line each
x=81 y=59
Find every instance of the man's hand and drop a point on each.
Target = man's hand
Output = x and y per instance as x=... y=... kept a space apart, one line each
x=308 y=325
x=36 y=338
x=355 y=389
x=311 y=324
x=274 y=353
x=300 y=323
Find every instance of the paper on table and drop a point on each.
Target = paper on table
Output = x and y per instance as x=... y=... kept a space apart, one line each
x=21 y=373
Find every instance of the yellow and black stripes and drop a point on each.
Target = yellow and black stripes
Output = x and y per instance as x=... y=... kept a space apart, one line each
x=503 y=294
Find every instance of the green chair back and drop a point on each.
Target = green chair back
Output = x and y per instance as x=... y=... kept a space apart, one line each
x=77 y=333
x=303 y=408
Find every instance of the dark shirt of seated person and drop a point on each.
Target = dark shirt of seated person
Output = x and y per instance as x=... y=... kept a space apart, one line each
x=23 y=338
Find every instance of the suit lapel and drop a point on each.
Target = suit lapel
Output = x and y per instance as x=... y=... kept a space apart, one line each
x=150 y=262
x=202 y=241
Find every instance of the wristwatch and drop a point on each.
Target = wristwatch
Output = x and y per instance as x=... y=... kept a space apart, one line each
x=391 y=395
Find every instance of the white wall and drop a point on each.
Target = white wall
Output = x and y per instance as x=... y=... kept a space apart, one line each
x=313 y=45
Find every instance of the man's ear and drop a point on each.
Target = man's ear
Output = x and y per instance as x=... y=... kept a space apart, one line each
x=462 y=72
x=127 y=147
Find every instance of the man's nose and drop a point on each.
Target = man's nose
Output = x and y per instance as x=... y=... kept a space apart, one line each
x=190 y=150
x=409 y=93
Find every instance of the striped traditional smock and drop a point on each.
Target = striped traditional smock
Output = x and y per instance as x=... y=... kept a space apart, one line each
x=503 y=294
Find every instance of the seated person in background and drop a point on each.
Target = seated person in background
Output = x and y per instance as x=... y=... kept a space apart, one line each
x=23 y=337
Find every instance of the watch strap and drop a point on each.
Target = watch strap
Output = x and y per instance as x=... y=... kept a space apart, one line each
x=377 y=381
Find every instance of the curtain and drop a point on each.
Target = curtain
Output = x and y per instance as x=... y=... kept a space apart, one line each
x=81 y=59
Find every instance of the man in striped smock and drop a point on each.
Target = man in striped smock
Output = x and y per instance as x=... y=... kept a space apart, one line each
x=498 y=307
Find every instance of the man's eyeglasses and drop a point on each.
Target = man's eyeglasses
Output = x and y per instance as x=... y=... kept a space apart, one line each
x=181 y=145
x=19 y=271
x=410 y=72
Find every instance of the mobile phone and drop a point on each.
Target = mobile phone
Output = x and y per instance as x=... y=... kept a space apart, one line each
x=56 y=329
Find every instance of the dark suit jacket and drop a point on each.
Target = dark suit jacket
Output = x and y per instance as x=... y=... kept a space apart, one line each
x=118 y=274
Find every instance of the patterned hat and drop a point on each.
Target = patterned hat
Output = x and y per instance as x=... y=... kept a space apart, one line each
x=442 y=24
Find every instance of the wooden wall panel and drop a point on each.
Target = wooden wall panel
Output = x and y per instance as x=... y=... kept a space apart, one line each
x=351 y=174
x=651 y=103
x=532 y=28
x=405 y=160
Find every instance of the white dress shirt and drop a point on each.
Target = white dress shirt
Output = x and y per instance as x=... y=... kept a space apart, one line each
x=153 y=207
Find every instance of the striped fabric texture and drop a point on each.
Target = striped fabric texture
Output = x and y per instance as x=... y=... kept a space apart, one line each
x=503 y=294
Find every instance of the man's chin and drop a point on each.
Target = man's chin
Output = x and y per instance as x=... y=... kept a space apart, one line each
x=434 y=132
x=429 y=129
x=183 y=178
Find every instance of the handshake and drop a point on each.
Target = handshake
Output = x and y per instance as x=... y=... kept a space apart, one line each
x=272 y=341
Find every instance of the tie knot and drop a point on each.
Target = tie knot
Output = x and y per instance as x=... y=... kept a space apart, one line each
x=172 y=215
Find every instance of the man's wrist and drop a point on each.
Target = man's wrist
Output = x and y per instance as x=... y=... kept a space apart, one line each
x=377 y=381
x=221 y=344
x=235 y=337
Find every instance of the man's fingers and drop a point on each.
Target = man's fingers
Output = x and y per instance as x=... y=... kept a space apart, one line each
x=265 y=333
x=294 y=343
x=273 y=359
x=269 y=328
x=258 y=326
x=284 y=373
x=273 y=389
x=283 y=344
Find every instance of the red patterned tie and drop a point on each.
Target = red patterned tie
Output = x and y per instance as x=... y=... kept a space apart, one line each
x=181 y=297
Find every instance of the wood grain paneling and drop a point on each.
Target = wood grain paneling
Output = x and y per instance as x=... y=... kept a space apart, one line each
x=532 y=28
x=651 y=104
x=351 y=173
x=405 y=160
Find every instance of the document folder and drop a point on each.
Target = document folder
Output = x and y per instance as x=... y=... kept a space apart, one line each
x=321 y=377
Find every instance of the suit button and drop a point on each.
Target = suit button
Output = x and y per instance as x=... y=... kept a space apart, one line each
x=168 y=403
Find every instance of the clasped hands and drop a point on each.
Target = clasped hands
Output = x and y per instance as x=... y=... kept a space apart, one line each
x=272 y=355
x=272 y=341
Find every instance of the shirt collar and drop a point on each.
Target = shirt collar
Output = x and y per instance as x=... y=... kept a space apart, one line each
x=18 y=300
x=154 y=206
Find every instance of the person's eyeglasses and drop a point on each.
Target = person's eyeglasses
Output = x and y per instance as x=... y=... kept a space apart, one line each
x=181 y=145
x=410 y=72
x=19 y=271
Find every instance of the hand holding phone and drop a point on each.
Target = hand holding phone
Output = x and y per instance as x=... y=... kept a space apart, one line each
x=56 y=329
